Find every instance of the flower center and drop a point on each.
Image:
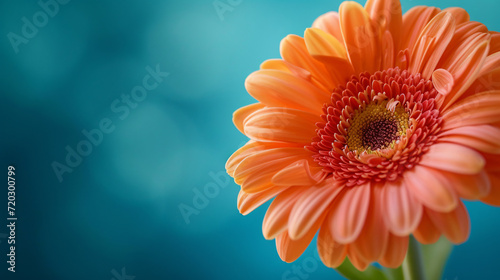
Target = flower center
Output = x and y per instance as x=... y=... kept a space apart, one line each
x=377 y=127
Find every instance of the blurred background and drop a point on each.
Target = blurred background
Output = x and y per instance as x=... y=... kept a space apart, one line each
x=116 y=213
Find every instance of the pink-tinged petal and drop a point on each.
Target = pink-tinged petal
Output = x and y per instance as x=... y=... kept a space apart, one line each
x=293 y=50
x=372 y=240
x=247 y=202
x=255 y=172
x=453 y=158
x=361 y=37
x=275 y=124
x=466 y=67
x=276 y=219
x=332 y=254
x=426 y=232
x=300 y=173
x=484 y=138
x=349 y=213
x=414 y=22
x=311 y=206
x=431 y=44
x=330 y=22
x=281 y=89
x=431 y=188
x=455 y=225
x=460 y=15
x=493 y=197
x=401 y=211
x=443 y=81
x=395 y=252
x=290 y=250
x=388 y=15
x=474 y=110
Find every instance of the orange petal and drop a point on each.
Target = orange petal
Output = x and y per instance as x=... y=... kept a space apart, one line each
x=455 y=225
x=401 y=211
x=242 y=113
x=330 y=22
x=282 y=65
x=350 y=210
x=388 y=15
x=248 y=149
x=300 y=173
x=431 y=188
x=254 y=173
x=465 y=67
x=247 y=202
x=372 y=240
x=311 y=206
x=493 y=197
x=293 y=50
x=495 y=42
x=290 y=250
x=426 y=232
x=395 y=252
x=474 y=110
x=281 y=89
x=453 y=158
x=281 y=125
x=276 y=219
x=483 y=138
x=332 y=254
x=320 y=44
x=361 y=36
x=431 y=44
x=460 y=15
x=414 y=21
x=356 y=260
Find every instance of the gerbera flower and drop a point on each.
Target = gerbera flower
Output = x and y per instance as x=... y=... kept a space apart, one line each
x=372 y=128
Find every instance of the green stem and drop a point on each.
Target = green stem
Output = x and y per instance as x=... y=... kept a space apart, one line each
x=413 y=268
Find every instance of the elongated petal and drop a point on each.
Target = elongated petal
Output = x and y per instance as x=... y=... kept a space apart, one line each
x=453 y=158
x=330 y=22
x=361 y=37
x=332 y=254
x=349 y=216
x=401 y=211
x=414 y=21
x=276 y=219
x=431 y=189
x=254 y=173
x=426 y=232
x=372 y=240
x=289 y=250
x=455 y=225
x=281 y=125
x=311 y=206
x=431 y=44
x=474 y=110
x=299 y=173
x=281 y=89
x=493 y=197
x=242 y=113
x=247 y=202
x=388 y=15
x=484 y=138
x=460 y=15
x=395 y=251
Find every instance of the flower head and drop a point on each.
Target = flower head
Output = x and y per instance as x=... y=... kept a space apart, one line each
x=372 y=127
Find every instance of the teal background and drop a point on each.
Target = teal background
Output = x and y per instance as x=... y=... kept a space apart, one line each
x=119 y=208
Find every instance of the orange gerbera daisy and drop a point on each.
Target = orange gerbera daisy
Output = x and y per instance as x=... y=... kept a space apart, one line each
x=370 y=129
